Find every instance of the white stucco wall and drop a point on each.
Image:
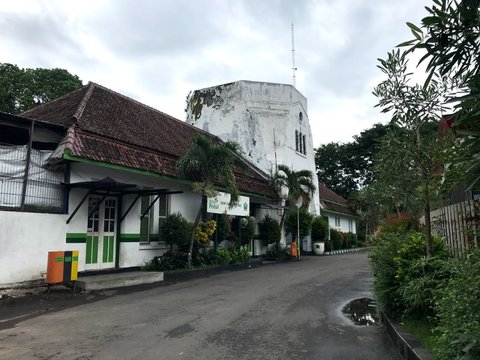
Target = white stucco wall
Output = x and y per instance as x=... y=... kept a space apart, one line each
x=25 y=240
x=262 y=118
x=344 y=223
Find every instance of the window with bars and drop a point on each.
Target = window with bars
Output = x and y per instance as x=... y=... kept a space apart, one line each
x=300 y=142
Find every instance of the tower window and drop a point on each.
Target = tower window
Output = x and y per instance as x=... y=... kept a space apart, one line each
x=300 y=117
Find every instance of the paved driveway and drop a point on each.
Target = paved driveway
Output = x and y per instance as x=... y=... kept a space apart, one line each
x=282 y=311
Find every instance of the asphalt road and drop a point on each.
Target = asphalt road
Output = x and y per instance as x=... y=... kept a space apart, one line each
x=282 y=311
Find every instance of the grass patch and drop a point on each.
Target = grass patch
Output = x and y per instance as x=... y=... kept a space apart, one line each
x=422 y=329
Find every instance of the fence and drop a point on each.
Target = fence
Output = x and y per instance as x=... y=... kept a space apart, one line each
x=42 y=191
x=459 y=225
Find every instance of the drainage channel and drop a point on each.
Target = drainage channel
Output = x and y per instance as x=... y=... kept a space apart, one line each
x=362 y=312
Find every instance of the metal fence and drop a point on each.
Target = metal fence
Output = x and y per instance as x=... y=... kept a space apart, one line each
x=38 y=190
x=459 y=225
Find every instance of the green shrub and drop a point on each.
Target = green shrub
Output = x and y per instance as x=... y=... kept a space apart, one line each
x=421 y=282
x=167 y=262
x=240 y=256
x=384 y=269
x=269 y=230
x=223 y=230
x=219 y=256
x=176 y=231
x=319 y=229
x=398 y=270
x=336 y=239
x=278 y=251
x=458 y=312
x=399 y=223
x=246 y=232
x=305 y=224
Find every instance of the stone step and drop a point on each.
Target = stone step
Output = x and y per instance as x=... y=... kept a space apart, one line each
x=110 y=281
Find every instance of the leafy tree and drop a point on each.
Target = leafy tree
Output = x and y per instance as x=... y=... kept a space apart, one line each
x=269 y=230
x=346 y=168
x=450 y=37
x=414 y=153
x=23 y=89
x=304 y=224
x=319 y=229
x=296 y=183
x=210 y=164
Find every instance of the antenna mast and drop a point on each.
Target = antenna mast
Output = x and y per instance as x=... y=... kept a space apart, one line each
x=293 y=56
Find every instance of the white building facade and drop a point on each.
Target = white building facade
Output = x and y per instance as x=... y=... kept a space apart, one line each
x=269 y=121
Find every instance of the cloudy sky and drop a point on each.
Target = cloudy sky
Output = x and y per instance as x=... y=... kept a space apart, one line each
x=156 y=51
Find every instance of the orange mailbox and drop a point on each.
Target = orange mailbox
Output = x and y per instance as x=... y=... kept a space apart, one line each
x=62 y=266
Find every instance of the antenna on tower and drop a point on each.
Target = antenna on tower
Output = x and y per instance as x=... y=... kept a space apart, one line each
x=293 y=55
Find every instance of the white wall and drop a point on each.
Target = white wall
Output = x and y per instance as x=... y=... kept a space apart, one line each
x=25 y=240
x=344 y=223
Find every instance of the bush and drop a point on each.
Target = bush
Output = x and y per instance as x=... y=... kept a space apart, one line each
x=204 y=232
x=167 y=262
x=336 y=239
x=240 y=256
x=176 y=231
x=224 y=229
x=219 y=256
x=269 y=230
x=305 y=224
x=398 y=269
x=319 y=229
x=401 y=223
x=458 y=312
x=278 y=251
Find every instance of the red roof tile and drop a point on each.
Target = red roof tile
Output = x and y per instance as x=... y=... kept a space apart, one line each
x=112 y=128
x=331 y=201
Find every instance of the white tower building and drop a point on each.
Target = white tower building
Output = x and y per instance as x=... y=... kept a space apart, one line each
x=269 y=121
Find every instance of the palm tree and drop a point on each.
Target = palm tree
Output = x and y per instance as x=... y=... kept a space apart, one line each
x=298 y=183
x=210 y=164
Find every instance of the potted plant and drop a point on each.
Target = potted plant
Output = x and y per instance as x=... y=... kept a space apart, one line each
x=319 y=234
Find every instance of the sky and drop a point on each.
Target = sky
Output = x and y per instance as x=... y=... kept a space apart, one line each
x=157 y=51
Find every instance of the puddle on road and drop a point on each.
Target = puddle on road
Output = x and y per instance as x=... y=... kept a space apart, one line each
x=362 y=312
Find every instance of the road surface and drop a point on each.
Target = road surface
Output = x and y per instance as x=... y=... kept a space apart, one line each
x=283 y=311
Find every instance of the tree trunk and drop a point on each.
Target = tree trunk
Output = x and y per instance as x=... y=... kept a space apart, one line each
x=428 y=224
x=192 y=237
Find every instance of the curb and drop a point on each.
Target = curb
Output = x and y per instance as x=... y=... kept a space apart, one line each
x=177 y=276
x=408 y=346
x=344 y=251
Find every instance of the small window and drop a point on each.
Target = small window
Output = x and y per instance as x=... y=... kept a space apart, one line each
x=350 y=225
x=296 y=141
x=163 y=211
x=146 y=223
x=337 y=221
x=300 y=117
x=304 y=147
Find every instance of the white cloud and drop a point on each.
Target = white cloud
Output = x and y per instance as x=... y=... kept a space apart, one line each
x=157 y=51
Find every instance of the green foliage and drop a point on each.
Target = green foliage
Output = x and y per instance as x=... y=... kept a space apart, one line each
x=336 y=239
x=23 y=89
x=384 y=269
x=458 y=312
x=247 y=230
x=210 y=163
x=176 y=231
x=269 y=230
x=399 y=223
x=305 y=224
x=240 y=255
x=278 y=252
x=169 y=261
x=400 y=267
x=298 y=183
x=223 y=230
x=344 y=168
x=319 y=229
x=219 y=256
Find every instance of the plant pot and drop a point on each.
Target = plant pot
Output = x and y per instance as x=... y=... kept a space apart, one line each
x=318 y=247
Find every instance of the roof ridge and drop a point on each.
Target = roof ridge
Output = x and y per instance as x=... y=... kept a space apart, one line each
x=54 y=100
x=155 y=110
x=83 y=103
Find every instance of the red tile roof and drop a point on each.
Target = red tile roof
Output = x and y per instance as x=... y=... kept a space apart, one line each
x=109 y=127
x=331 y=201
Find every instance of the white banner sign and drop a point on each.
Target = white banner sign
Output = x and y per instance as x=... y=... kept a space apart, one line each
x=220 y=204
